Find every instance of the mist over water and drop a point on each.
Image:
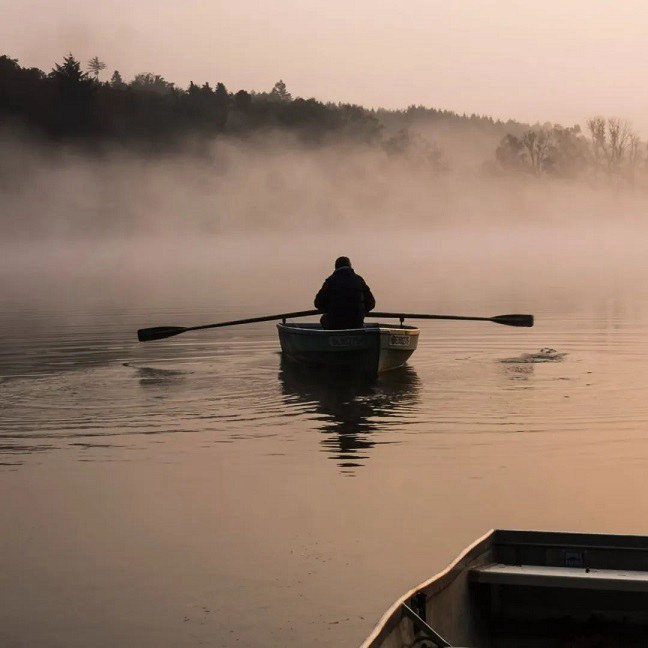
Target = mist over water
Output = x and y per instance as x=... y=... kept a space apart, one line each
x=259 y=222
x=199 y=489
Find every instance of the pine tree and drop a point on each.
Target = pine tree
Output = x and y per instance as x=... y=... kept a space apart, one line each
x=279 y=91
x=116 y=81
x=70 y=72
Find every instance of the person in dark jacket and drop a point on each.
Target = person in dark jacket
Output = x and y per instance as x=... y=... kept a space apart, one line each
x=344 y=298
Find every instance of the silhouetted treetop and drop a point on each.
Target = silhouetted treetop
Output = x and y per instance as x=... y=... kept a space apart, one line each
x=149 y=110
x=95 y=66
x=149 y=82
x=280 y=92
x=69 y=73
x=116 y=81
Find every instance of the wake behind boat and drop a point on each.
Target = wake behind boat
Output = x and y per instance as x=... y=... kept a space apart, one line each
x=373 y=349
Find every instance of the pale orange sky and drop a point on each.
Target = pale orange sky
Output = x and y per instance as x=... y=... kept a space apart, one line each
x=528 y=60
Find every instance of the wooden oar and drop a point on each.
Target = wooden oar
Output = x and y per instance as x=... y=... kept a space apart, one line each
x=508 y=320
x=161 y=332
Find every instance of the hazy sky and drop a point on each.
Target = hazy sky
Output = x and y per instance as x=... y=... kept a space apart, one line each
x=540 y=60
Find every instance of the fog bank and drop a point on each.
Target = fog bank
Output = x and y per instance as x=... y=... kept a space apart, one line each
x=276 y=184
x=245 y=227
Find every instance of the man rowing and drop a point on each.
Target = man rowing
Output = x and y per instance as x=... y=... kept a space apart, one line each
x=344 y=298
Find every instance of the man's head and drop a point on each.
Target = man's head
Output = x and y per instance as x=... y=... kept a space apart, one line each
x=342 y=262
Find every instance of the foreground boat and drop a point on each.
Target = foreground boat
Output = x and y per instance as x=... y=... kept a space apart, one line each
x=372 y=349
x=528 y=589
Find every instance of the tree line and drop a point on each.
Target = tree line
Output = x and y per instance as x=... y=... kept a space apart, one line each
x=72 y=103
x=609 y=148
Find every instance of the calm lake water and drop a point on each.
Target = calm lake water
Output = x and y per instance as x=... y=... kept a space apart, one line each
x=199 y=491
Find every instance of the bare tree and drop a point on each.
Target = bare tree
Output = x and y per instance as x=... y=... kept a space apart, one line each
x=95 y=66
x=634 y=156
x=614 y=144
x=538 y=146
x=619 y=133
x=596 y=127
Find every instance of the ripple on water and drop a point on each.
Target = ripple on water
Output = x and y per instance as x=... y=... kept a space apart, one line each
x=134 y=399
x=464 y=387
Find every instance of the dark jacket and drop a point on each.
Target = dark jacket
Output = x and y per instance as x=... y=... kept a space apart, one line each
x=345 y=299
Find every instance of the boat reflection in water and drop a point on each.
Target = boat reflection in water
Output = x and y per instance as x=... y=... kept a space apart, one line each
x=352 y=410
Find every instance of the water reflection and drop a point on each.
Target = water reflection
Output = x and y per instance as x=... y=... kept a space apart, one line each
x=351 y=410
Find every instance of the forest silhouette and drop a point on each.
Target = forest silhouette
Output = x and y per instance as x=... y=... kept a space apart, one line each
x=72 y=104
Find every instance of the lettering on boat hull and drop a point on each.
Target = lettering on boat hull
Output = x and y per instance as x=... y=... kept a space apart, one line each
x=347 y=341
x=400 y=340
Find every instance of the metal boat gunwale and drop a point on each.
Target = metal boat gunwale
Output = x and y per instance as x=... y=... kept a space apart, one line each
x=370 y=327
x=444 y=578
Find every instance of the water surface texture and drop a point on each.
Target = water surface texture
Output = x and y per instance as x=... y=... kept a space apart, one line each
x=200 y=491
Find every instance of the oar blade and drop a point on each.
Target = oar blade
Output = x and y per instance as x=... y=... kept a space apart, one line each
x=513 y=320
x=159 y=332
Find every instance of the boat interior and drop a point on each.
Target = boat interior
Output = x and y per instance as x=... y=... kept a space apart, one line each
x=526 y=589
x=558 y=593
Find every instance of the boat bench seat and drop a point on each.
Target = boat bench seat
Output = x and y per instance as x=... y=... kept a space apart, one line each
x=569 y=577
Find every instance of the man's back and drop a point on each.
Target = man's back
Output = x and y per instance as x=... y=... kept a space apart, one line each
x=344 y=298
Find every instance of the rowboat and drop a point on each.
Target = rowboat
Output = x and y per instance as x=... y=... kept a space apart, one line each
x=372 y=349
x=527 y=589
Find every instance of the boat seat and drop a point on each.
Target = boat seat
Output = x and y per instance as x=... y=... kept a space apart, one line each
x=569 y=577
